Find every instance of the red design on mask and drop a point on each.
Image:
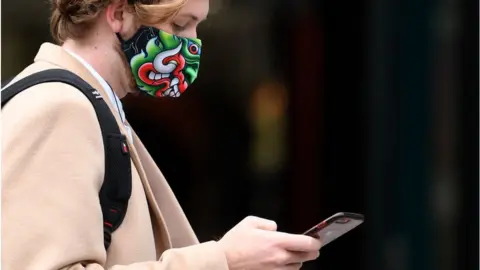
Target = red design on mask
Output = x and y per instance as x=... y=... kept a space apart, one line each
x=165 y=83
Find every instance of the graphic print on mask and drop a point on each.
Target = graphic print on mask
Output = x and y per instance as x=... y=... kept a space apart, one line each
x=163 y=64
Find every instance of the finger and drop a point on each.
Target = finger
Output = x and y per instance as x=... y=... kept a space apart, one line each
x=299 y=242
x=301 y=257
x=260 y=223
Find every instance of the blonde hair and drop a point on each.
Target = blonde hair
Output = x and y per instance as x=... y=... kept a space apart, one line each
x=74 y=18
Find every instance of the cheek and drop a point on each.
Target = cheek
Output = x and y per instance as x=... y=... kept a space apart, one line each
x=130 y=25
x=190 y=32
x=167 y=27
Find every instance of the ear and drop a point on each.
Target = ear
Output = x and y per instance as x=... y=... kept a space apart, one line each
x=115 y=14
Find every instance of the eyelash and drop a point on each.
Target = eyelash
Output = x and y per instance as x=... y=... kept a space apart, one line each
x=178 y=28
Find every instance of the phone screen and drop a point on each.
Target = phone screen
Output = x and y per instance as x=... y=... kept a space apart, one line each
x=335 y=226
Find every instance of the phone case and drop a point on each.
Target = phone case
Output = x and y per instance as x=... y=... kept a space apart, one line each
x=335 y=226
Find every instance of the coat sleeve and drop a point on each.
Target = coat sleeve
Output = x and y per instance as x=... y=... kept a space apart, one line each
x=52 y=171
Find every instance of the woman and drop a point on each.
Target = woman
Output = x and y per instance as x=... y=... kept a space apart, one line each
x=53 y=155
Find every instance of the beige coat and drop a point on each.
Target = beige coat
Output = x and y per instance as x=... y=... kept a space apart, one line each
x=52 y=170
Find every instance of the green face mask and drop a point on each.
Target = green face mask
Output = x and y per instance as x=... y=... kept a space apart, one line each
x=163 y=65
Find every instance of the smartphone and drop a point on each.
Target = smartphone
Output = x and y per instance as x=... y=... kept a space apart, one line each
x=335 y=226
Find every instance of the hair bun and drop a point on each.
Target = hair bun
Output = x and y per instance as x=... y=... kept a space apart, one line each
x=68 y=8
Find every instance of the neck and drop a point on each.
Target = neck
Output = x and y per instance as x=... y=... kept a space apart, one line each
x=105 y=60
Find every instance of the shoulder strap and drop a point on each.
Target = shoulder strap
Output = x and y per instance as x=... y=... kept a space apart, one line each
x=117 y=184
x=5 y=82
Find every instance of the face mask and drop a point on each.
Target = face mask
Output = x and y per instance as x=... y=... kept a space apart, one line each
x=163 y=65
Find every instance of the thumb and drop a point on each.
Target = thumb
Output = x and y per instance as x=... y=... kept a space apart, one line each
x=259 y=223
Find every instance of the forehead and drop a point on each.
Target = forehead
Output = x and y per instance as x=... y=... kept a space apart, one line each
x=197 y=9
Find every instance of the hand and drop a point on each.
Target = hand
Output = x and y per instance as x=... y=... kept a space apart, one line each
x=255 y=244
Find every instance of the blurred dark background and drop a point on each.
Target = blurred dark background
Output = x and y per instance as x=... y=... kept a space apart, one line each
x=306 y=108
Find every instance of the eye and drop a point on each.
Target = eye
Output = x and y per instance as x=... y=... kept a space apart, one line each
x=193 y=49
x=178 y=28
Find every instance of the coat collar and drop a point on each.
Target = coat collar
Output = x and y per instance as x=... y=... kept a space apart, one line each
x=57 y=56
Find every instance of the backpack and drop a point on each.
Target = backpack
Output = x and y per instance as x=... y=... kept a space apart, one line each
x=117 y=184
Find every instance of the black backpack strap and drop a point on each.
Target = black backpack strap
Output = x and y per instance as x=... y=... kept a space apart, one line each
x=5 y=82
x=117 y=185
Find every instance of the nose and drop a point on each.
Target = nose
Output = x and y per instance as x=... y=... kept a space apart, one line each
x=191 y=33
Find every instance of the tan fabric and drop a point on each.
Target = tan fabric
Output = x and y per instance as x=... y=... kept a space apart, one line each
x=52 y=170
